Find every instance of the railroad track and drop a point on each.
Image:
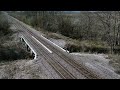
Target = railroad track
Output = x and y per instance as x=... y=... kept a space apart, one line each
x=58 y=68
x=80 y=68
x=65 y=74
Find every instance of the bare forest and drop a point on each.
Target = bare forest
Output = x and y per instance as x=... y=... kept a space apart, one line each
x=97 y=31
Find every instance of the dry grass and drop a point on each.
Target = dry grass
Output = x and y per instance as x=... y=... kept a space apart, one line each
x=115 y=62
x=21 y=69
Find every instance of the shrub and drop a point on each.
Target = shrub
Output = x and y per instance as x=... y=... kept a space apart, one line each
x=13 y=53
x=85 y=46
x=72 y=48
x=4 y=28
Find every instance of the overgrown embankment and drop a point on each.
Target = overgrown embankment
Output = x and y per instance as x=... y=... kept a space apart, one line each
x=10 y=46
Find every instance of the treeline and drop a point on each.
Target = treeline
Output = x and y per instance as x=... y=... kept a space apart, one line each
x=101 y=27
